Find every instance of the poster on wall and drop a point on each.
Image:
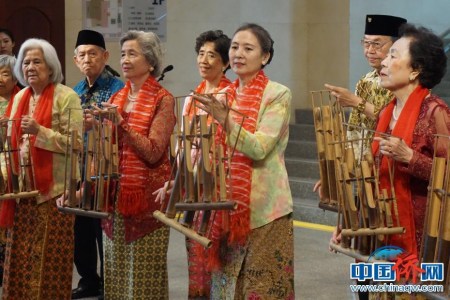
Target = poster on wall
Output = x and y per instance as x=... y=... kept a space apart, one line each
x=112 y=18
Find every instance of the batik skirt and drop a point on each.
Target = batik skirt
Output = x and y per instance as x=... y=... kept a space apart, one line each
x=138 y=270
x=39 y=253
x=262 y=269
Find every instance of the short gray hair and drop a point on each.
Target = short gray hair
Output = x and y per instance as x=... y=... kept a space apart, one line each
x=8 y=61
x=151 y=48
x=50 y=57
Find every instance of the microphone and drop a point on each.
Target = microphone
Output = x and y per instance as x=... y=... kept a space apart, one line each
x=112 y=71
x=164 y=71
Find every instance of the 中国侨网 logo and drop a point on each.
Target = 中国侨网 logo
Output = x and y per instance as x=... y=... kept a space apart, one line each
x=392 y=263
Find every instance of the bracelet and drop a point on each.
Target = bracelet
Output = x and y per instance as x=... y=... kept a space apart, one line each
x=361 y=106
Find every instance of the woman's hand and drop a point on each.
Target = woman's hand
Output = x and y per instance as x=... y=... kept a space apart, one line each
x=109 y=111
x=216 y=108
x=63 y=200
x=89 y=119
x=29 y=125
x=345 y=97
x=318 y=189
x=162 y=192
x=396 y=148
x=336 y=238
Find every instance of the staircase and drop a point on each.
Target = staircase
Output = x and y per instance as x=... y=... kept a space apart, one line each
x=443 y=88
x=303 y=170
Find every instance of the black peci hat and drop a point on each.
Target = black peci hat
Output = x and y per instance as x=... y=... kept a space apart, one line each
x=383 y=25
x=90 y=37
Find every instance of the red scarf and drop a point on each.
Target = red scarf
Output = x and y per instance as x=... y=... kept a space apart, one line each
x=200 y=89
x=199 y=279
x=133 y=170
x=43 y=159
x=247 y=102
x=403 y=129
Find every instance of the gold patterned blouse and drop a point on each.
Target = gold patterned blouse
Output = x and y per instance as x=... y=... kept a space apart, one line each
x=368 y=88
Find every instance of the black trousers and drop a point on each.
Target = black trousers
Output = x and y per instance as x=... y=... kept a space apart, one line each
x=88 y=246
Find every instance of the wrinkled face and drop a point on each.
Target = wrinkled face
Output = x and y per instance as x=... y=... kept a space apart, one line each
x=91 y=60
x=396 y=72
x=376 y=48
x=35 y=69
x=6 y=44
x=246 y=56
x=7 y=82
x=209 y=62
x=133 y=62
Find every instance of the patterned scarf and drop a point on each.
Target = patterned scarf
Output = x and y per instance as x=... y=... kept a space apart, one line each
x=403 y=129
x=247 y=102
x=133 y=170
x=42 y=166
x=200 y=89
x=199 y=281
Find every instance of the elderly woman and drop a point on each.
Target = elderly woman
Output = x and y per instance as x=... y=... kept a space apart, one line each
x=8 y=82
x=8 y=89
x=255 y=257
x=136 y=243
x=414 y=65
x=212 y=62
x=39 y=250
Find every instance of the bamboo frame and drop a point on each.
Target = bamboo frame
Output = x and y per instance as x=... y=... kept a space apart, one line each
x=200 y=172
x=366 y=214
x=97 y=157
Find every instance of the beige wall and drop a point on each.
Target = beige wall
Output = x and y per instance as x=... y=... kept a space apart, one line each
x=311 y=40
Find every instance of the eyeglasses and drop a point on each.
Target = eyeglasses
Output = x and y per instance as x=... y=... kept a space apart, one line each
x=376 y=45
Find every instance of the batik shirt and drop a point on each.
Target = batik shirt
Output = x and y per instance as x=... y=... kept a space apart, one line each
x=102 y=89
x=270 y=196
x=368 y=88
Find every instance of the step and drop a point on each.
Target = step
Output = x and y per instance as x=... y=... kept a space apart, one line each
x=304 y=132
x=304 y=116
x=299 y=167
x=303 y=187
x=301 y=149
x=307 y=210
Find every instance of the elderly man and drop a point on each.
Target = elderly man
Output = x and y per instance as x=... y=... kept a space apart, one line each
x=98 y=85
x=380 y=33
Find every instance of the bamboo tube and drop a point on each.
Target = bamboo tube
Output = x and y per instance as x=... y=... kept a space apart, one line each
x=180 y=228
x=434 y=206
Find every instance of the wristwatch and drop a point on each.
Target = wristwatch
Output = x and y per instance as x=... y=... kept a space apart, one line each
x=361 y=106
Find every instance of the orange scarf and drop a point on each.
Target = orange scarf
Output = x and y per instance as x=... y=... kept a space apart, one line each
x=199 y=279
x=133 y=170
x=200 y=89
x=403 y=129
x=247 y=102
x=42 y=166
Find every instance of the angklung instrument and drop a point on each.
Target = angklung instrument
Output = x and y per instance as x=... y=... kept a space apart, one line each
x=200 y=173
x=98 y=159
x=350 y=185
x=17 y=178
x=435 y=246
